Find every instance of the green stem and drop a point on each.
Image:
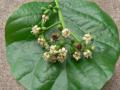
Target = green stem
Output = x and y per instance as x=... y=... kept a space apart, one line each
x=60 y=13
x=62 y=20
x=53 y=25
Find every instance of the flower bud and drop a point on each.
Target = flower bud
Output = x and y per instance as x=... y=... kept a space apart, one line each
x=56 y=7
x=50 y=6
x=43 y=8
x=54 y=11
x=59 y=26
x=93 y=47
x=47 y=11
x=43 y=28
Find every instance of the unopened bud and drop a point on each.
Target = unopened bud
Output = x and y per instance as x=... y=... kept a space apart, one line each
x=54 y=11
x=43 y=8
x=50 y=6
x=44 y=28
x=56 y=7
x=59 y=26
x=46 y=11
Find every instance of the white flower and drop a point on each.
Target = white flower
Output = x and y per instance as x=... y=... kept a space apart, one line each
x=87 y=54
x=63 y=51
x=35 y=30
x=87 y=38
x=77 y=55
x=46 y=55
x=53 y=49
x=42 y=42
x=62 y=55
x=45 y=18
x=61 y=58
x=66 y=32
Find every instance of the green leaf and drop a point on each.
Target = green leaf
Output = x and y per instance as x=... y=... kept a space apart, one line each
x=80 y=16
x=19 y=24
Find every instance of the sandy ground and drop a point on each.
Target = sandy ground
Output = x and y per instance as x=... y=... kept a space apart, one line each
x=7 y=81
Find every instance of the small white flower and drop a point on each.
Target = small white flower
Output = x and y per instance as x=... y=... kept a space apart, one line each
x=87 y=38
x=61 y=58
x=46 y=55
x=53 y=49
x=35 y=30
x=63 y=51
x=42 y=42
x=87 y=54
x=62 y=55
x=77 y=55
x=66 y=32
x=45 y=18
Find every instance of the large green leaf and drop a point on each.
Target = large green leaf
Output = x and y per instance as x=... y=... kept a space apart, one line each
x=80 y=16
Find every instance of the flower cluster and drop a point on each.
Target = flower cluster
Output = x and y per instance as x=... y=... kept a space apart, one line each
x=54 y=54
x=45 y=18
x=86 y=49
x=55 y=46
x=42 y=42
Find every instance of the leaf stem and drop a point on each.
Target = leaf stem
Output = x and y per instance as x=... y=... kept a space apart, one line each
x=53 y=25
x=60 y=14
x=62 y=20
